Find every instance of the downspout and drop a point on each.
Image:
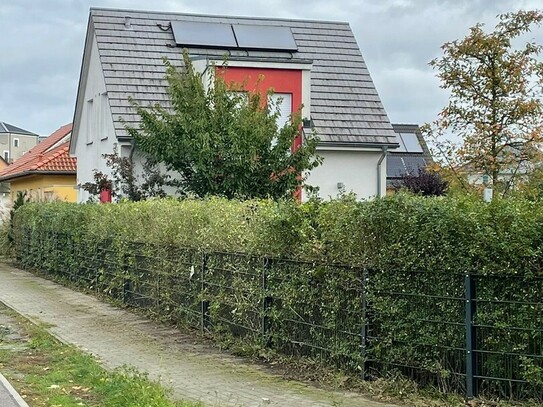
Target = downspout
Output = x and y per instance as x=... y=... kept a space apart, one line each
x=383 y=155
x=132 y=148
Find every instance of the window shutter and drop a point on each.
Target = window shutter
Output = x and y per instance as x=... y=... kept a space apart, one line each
x=284 y=101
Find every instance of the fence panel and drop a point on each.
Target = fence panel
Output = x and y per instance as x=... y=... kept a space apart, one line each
x=463 y=332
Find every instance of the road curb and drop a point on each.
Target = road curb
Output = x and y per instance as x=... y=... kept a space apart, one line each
x=12 y=392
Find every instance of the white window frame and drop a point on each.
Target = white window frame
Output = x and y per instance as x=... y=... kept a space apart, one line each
x=6 y=155
x=104 y=110
x=15 y=142
x=283 y=97
x=91 y=121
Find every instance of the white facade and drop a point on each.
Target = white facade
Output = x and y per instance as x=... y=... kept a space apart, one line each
x=96 y=134
x=361 y=170
x=349 y=170
x=343 y=169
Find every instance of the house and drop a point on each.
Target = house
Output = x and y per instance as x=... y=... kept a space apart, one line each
x=314 y=63
x=412 y=154
x=5 y=201
x=14 y=141
x=46 y=172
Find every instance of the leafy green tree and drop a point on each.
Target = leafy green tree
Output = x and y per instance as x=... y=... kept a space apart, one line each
x=20 y=199
x=125 y=183
x=223 y=141
x=495 y=82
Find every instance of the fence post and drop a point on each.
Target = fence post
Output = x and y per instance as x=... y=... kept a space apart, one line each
x=266 y=304
x=128 y=288
x=471 y=335
x=204 y=304
x=365 y=327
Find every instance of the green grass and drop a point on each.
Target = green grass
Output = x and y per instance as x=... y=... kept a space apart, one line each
x=50 y=374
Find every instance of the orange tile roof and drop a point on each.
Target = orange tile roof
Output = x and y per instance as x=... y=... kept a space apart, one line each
x=46 y=157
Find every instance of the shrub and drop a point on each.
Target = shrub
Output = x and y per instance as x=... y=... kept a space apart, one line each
x=311 y=279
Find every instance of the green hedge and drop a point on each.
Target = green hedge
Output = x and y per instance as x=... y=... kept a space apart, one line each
x=369 y=286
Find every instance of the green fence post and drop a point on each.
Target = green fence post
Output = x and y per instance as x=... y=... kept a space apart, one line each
x=365 y=327
x=471 y=336
x=266 y=304
x=204 y=304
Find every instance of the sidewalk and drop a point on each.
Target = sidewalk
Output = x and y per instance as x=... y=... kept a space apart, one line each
x=117 y=337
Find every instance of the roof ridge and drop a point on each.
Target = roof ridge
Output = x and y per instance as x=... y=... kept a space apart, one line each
x=176 y=13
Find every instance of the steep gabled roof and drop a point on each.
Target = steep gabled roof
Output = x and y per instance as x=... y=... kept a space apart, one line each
x=9 y=128
x=50 y=156
x=345 y=106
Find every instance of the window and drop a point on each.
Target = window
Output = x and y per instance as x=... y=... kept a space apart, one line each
x=411 y=142
x=91 y=121
x=6 y=155
x=241 y=96
x=15 y=142
x=283 y=101
x=104 y=111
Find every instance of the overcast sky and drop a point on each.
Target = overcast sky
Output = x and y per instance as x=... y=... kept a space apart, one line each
x=41 y=45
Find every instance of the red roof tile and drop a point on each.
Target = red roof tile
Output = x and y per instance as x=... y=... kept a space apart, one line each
x=46 y=157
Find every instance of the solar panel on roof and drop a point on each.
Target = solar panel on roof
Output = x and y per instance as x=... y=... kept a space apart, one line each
x=395 y=167
x=205 y=35
x=412 y=164
x=264 y=37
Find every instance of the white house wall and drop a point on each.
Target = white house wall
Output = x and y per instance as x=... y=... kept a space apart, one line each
x=355 y=170
x=96 y=134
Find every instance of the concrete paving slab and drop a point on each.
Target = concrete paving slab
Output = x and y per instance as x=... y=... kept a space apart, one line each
x=192 y=369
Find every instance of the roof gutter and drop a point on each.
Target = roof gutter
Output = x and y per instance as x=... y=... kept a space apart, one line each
x=357 y=144
x=383 y=155
x=35 y=172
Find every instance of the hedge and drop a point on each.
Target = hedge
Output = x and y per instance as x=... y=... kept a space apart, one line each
x=372 y=287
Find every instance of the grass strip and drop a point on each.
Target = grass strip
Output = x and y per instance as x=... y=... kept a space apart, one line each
x=49 y=373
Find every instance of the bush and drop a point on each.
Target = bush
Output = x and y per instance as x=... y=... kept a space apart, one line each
x=377 y=286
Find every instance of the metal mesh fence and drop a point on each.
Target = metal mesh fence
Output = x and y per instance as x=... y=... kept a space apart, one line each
x=465 y=332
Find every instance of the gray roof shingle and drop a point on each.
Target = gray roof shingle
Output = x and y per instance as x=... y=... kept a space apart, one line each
x=9 y=128
x=345 y=106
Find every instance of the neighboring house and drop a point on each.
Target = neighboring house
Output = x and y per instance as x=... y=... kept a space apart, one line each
x=314 y=63
x=412 y=154
x=5 y=200
x=517 y=162
x=14 y=142
x=46 y=172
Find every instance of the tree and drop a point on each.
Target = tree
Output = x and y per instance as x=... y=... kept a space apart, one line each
x=495 y=104
x=20 y=200
x=223 y=141
x=424 y=182
x=125 y=183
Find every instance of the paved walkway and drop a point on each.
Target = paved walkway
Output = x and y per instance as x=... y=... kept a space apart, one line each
x=118 y=337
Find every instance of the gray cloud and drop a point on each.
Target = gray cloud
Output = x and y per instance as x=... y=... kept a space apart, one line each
x=41 y=45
